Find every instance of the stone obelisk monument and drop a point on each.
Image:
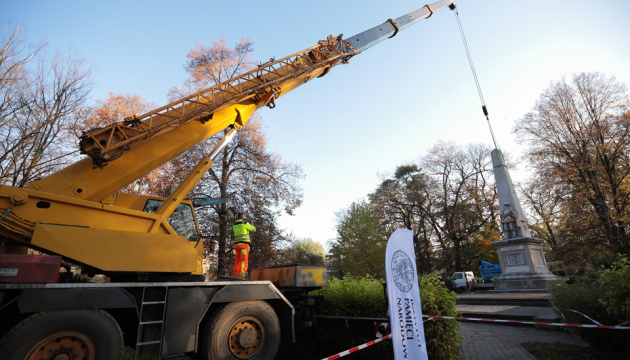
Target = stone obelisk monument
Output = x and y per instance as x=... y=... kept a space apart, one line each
x=523 y=263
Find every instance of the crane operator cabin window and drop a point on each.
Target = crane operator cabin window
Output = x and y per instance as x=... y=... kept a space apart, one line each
x=182 y=220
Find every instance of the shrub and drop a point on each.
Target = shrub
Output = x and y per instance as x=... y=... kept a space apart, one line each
x=602 y=296
x=442 y=336
x=616 y=281
x=351 y=297
x=364 y=297
x=356 y=297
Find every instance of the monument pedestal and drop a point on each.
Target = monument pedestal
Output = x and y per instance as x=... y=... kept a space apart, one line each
x=523 y=265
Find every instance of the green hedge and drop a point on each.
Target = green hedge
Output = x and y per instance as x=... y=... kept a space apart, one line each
x=603 y=295
x=442 y=336
x=364 y=297
x=356 y=297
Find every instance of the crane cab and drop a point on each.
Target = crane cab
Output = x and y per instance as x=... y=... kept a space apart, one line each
x=183 y=220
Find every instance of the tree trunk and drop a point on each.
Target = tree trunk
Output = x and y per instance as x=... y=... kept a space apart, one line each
x=223 y=236
x=457 y=252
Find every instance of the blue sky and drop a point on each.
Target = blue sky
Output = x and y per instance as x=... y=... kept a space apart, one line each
x=384 y=109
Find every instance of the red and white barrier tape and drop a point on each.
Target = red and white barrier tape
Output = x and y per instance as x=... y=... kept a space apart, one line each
x=617 y=327
x=431 y=317
x=355 y=349
x=586 y=316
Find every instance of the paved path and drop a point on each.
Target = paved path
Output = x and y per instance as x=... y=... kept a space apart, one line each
x=501 y=342
x=495 y=342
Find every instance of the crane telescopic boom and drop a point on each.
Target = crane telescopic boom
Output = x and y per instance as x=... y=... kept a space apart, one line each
x=209 y=109
x=65 y=212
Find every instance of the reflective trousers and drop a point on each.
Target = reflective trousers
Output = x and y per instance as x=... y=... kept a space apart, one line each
x=240 y=264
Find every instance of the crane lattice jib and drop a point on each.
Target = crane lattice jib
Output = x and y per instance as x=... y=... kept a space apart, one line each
x=259 y=85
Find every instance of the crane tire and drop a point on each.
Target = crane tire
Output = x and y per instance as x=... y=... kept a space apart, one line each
x=241 y=330
x=77 y=334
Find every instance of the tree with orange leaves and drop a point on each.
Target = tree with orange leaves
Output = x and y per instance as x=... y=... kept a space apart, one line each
x=211 y=65
x=256 y=181
x=113 y=109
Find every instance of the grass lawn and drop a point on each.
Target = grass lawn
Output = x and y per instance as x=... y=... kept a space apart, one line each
x=557 y=351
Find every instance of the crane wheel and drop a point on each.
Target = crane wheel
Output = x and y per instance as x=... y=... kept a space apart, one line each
x=64 y=335
x=241 y=330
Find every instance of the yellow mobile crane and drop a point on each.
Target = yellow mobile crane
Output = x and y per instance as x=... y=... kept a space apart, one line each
x=72 y=214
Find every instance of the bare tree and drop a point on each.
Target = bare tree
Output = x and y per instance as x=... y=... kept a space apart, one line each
x=257 y=183
x=402 y=201
x=448 y=200
x=545 y=201
x=578 y=136
x=38 y=104
x=14 y=57
x=464 y=202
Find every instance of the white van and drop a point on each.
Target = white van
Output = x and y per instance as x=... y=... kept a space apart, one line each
x=462 y=279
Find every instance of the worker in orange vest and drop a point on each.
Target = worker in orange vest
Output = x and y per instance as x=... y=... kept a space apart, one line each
x=241 y=233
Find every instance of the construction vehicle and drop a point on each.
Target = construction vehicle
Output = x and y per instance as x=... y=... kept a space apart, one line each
x=489 y=270
x=72 y=215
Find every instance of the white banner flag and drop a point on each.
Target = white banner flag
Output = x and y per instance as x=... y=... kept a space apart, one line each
x=405 y=310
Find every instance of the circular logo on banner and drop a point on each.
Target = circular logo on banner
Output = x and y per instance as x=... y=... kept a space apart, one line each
x=403 y=271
